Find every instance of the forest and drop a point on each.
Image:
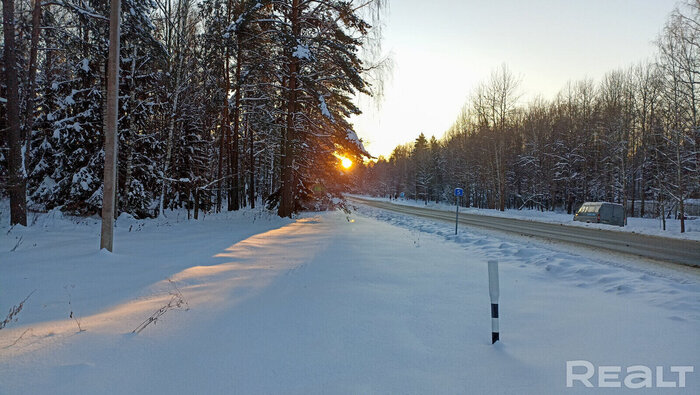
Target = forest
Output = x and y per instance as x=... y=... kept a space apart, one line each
x=632 y=137
x=222 y=104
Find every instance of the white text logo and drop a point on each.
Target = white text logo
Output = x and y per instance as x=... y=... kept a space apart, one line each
x=636 y=376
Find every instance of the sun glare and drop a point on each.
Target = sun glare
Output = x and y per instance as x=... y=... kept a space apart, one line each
x=347 y=163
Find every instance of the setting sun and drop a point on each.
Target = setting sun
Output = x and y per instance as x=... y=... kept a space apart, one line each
x=347 y=163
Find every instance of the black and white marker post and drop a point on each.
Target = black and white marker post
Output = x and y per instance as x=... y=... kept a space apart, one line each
x=493 y=292
x=459 y=192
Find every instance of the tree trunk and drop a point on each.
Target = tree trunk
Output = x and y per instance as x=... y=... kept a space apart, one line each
x=235 y=205
x=181 y=15
x=251 y=167
x=110 y=120
x=680 y=184
x=634 y=194
x=169 y=148
x=662 y=212
x=286 y=206
x=31 y=78
x=226 y=130
x=642 y=189
x=17 y=183
x=196 y=203
x=132 y=134
x=220 y=168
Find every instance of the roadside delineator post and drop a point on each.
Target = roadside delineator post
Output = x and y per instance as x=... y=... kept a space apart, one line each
x=493 y=293
x=459 y=192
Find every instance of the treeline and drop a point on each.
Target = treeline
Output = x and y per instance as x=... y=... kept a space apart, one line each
x=222 y=103
x=632 y=138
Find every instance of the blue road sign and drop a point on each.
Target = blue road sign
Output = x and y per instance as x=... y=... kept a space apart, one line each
x=459 y=192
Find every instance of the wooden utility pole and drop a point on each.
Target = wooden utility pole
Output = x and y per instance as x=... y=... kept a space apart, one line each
x=17 y=184
x=110 y=128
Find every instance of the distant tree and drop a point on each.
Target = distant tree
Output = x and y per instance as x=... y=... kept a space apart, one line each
x=679 y=46
x=422 y=170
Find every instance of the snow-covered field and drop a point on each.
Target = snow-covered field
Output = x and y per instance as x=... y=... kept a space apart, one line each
x=372 y=302
x=648 y=226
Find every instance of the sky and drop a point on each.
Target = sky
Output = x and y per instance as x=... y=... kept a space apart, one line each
x=441 y=49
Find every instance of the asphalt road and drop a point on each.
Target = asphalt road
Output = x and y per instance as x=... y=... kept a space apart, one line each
x=686 y=252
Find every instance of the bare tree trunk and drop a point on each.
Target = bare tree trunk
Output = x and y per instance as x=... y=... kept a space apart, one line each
x=169 y=146
x=634 y=193
x=642 y=192
x=127 y=141
x=110 y=119
x=226 y=128
x=235 y=181
x=623 y=182
x=223 y=135
x=220 y=170
x=679 y=175
x=31 y=91
x=181 y=15
x=662 y=211
x=196 y=203
x=271 y=174
x=251 y=167
x=17 y=183
x=286 y=206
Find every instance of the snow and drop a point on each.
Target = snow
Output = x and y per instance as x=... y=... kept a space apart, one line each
x=46 y=187
x=302 y=52
x=45 y=145
x=234 y=26
x=649 y=226
x=96 y=197
x=85 y=65
x=352 y=137
x=3 y=100
x=368 y=302
x=23 y=166
x=82 y=178
x=324 y=108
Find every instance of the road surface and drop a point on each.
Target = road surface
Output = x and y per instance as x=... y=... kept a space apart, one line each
x=686 y=252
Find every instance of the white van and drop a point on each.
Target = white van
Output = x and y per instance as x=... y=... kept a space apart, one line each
x=601 y=212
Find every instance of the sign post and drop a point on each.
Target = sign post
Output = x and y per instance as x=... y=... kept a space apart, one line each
x=459 y=192
x=493 y=293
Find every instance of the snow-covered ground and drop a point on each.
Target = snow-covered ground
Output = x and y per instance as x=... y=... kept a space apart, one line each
x=648 y=226
x=371 y=302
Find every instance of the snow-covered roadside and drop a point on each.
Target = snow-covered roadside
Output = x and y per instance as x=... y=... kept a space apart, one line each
x=647 y=226
x=58 y=257
x=328 y=303
x=579 y=266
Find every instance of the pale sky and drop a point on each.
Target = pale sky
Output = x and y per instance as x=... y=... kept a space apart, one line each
x=443 y=48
